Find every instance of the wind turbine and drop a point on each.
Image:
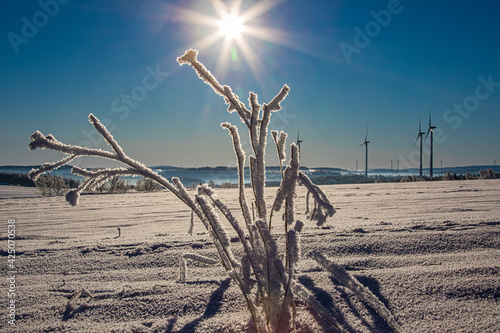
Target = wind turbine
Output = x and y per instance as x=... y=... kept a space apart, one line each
x=298 y=138
x=420 y=135
x=431 y=130
x=366 y=142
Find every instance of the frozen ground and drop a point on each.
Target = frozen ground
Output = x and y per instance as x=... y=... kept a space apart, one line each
x=430 y=251
x=9 y=192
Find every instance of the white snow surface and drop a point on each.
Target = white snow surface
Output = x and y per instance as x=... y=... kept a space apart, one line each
x=430 y=251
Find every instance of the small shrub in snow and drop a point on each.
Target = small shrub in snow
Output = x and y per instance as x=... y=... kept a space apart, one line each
x=448 y=176
x=147 y=185
x=487 y=174
x=470 y=176
x=264 y=271
x=226 y=185
x=117 y=184
x=49 y=185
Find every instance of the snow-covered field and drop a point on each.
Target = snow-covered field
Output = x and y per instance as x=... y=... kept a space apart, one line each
x=430 y=251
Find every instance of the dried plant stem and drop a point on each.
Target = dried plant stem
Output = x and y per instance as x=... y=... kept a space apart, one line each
x=240 y=156
x=241 y=234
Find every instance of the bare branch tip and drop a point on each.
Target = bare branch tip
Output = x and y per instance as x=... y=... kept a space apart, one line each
x=72 y=197
x=93 y=119
x=188 y=57
x=37 y=141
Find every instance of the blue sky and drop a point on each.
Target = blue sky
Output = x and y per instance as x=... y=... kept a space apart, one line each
x=349 y=64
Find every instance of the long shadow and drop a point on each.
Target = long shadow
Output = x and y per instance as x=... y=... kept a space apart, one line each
x=377 y=325
x=171 y=324
x=347 y=299
x=327 y=301
x=374 y=287
x=213 y=306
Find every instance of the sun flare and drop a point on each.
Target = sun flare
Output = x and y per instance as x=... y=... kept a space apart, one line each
x=239 y=30
x=231 y=26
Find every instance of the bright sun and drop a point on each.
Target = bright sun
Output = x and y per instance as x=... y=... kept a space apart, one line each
x=237 y=29
x=231 y=26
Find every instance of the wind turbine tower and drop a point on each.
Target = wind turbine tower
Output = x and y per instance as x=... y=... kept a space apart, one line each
x=420 y=136
x=366 y=142
x=431 y=130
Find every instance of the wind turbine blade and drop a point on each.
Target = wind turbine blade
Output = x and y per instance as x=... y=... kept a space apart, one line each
x=419 y=130
x=418 y=136
x=366 y=135
x=427 y=134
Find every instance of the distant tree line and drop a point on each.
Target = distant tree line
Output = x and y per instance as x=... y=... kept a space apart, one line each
x=49 y=185
x=16 y=179
x=483 y=174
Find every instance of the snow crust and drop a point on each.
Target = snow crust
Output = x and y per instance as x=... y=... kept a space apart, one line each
x=429 y=251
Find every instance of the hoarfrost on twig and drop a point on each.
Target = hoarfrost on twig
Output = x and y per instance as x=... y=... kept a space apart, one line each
x=323 y=208
x=190 y=58
x=47 y=167
x=194 y=257
x=240 y=157
x=191 y=225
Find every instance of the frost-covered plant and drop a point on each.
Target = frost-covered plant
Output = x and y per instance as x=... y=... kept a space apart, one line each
x=147 y=185
x=470 y=176
x=117 y=184
x=487 y=174
x=265 y=269
x=49 y=185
